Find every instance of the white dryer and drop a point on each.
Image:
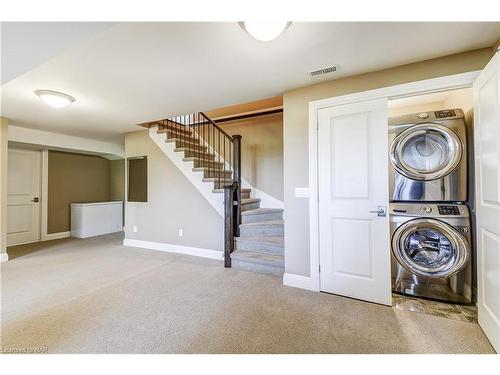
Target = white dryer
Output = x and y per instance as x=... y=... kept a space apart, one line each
x=428 y=157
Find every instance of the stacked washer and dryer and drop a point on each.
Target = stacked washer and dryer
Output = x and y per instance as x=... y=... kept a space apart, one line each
x=429 y=218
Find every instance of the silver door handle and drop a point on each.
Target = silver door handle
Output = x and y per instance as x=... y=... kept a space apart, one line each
x=381 y=211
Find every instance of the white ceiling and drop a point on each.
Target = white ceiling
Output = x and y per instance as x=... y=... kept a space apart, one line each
x=135 y=72
x=25 y=45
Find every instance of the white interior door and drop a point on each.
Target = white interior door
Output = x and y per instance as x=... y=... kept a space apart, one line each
x=487 y=160
x=23 y=189
x=353 y=182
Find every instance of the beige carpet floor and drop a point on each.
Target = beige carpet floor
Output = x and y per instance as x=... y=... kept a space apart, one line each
x=97 y=296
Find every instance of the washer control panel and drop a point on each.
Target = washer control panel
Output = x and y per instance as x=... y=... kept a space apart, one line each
x=448 y=210
x=413 y=209
x=425 y=209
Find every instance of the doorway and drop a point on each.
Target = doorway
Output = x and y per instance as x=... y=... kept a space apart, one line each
x=431 y=179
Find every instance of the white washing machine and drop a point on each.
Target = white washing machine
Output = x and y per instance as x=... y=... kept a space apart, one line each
x=431 y=251
x=428 y=157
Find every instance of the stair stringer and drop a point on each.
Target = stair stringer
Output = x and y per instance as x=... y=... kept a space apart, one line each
x=186 y=168
x=267 y=201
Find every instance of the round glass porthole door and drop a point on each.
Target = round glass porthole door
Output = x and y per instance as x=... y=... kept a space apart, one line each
x=430 y=248
x=426 y=152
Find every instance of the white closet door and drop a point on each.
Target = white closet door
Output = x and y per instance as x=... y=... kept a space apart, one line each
x=353 y=183
x=23 y=192
x=487 y=160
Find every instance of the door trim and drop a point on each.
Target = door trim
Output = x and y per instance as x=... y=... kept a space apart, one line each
x=455 y=81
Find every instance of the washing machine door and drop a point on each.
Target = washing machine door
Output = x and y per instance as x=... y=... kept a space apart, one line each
x=430 y=248
x=426 y=152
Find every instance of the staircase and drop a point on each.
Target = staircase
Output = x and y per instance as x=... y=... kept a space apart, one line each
x=259 y=246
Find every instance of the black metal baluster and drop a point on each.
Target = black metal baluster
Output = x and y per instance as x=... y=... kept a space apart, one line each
x=237 y=178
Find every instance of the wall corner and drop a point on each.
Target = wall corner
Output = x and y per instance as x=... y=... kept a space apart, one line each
x=3 y=187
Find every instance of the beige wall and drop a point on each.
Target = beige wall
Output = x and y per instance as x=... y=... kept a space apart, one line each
x=117 y=180
x=173 y=203
x=296 y=153
x=238 y=109
x=74 y=178
x=3 y=184
x=261 y=151
x=424 y=107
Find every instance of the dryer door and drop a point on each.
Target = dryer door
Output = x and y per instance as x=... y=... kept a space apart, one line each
x=430 y=248
x=426 y=152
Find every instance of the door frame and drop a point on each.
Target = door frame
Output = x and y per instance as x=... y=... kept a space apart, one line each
x=450 y=82
x=45 y=236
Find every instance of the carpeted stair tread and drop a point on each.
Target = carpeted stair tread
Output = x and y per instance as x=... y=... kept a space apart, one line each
x=259 y=258
x=271 y=240
x=273 y=223
x=250 y=200
x=259 y=211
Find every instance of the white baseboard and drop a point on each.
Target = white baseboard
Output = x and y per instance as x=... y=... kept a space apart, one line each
x=4 y=257
x=169 y=248
x=56 y=236
x=299 y=281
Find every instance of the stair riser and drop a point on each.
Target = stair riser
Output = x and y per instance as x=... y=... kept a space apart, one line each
x=221 y=185
x=176 y=132
x=245 y=195
x=260 y=268
x=250 y=206
x=193 y=148
x=207 y=164
x=201 y=155
x=277 y=230
x=260 y=247
x=183 y=141
x=261 y=217
x=215 y=174
x=181 y=144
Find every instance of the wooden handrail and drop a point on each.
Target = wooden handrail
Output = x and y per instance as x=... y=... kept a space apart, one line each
x=217 y=126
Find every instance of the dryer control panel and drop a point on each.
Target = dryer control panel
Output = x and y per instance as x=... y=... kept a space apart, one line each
x=447 y=113
x=448 y=210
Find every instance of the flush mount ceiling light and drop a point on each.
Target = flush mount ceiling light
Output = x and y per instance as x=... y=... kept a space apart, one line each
x=264 y=31
x=55 y=99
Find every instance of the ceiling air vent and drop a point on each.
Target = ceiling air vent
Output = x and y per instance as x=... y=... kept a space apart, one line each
x=322 y=71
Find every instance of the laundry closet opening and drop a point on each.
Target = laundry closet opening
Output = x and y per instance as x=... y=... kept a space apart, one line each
x=431 y=195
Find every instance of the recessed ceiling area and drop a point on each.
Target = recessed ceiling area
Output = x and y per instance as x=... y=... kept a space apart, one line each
x=131 y=73
x=450 y=99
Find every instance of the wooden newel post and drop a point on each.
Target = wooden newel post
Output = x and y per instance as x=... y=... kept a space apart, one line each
x=237 y=179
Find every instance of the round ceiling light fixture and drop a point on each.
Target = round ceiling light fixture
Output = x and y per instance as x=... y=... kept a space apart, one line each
x=55 y=99
x=265 y=31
